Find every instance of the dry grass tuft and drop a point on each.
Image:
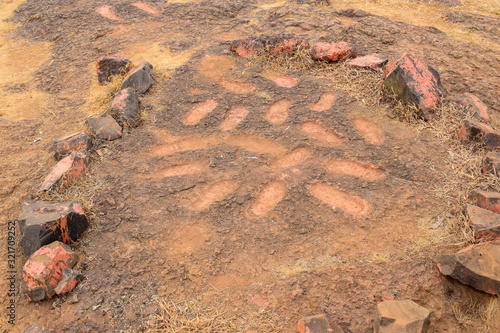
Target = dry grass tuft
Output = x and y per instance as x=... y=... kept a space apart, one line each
x=100 y=97
x=487 y=310
x=212 y=316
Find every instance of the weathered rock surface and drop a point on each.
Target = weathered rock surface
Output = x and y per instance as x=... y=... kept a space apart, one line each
x=105 y=128
x=66 y=170
x=487 y=200
x=140 y=78
x=317 y=324
x=474 y=106
x=44 y=222
x=248 y=47
x=333 y=52
x=486 y=224
x=69 y=280
x=74 y=142
x=477 y=266
x=35 y=328
x=125 y=108
x=475 y=131
x=287 y=43
x=111 y=65
x=491 y=163
x=401 y=317
x=373 y=61
x=414 y=82
x=43 y=270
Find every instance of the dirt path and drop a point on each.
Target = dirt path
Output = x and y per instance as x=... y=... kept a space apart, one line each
x=272 y=191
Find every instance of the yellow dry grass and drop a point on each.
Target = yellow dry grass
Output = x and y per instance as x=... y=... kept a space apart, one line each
x=212 y=313
x=19 y=59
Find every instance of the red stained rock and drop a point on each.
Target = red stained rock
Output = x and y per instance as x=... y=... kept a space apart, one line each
x=248 y=46
x=44 y=222
x=475 y=131
x=35 y=328
x=125 y=108
x=491 y=163
x=287 y=43
x=487 y=200
x=334 y=52
x=317 y=324
x=111 y=65
x=373 y=61
x=486 y=224
x=66 y=170
x=69 y=280
x=414 y=82
x=402 y=317
x=43 y=270
x=105 y=128
x=74 y=142
x=139 y=78
x=474 y=106
x=477 y=266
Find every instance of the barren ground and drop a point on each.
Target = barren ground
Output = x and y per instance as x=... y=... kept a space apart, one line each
x=227 y=204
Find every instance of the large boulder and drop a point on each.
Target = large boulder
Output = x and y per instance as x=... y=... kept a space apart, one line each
x=68 y=144
x=66 y=170
x=111 y=65
x=485 y=224
x=477 y=266
x=140 y=78
x=414 y=82
x=44 y=222
x=401 y=317
x=43 y=270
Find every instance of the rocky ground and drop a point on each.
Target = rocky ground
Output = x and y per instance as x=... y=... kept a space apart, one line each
x=249 y=189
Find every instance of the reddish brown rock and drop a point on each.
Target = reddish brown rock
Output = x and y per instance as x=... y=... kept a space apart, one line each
x=69 y=280
x=105 y=128
x=43 y=270
x=125 y=108
x=35 y=328
x=485 y=223
x=414 y=82
x=487 y=200
x=66 y=170
x=140 y=78
x=373 y=61
x=111 y=65
x=334 y=52
x=491 y=163
x=317 y=324
x=287 y=43
x=401 y=317
x=44 y=222
x=475 y=131
x=248 y=47
x=477 y=266
x=74 y=142
x=474 y=106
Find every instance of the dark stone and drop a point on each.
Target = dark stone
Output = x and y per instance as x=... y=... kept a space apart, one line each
x=44 y=222
x=475 y=131
x=485 y=223
x=74 y=142
x=139 y=78
x=105 y=128
x=125 y=108
x=111 y=65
